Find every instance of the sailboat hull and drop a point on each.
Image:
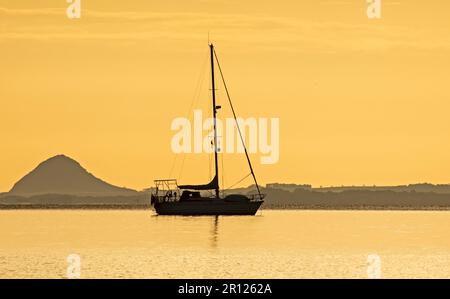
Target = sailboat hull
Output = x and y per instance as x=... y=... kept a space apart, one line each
x=207 y=207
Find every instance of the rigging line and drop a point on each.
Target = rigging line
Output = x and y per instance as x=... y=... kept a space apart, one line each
x=194 y=102
x=209 y=167
x=211 y=145
x=181 y=166
x=237 y=124
x=173 y=165
x=223 y=170
x=238 y=181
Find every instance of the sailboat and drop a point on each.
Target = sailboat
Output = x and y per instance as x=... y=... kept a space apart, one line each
x=169 y=198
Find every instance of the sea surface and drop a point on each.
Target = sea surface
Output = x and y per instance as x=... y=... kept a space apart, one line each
x=273 y=244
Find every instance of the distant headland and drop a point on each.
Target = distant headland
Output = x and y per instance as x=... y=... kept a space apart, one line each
x=61 y=182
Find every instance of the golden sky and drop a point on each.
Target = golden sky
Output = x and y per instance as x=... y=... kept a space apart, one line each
x=360 y=101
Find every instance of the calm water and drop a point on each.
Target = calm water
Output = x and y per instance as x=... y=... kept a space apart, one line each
x=274 y=244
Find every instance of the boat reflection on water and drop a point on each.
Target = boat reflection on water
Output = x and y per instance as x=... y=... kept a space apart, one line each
x=215 y=232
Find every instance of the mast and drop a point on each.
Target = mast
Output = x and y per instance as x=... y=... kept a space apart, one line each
x=211 y=46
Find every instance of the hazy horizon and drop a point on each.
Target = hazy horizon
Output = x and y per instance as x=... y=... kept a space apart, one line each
x=75 y=167
x=360 y=102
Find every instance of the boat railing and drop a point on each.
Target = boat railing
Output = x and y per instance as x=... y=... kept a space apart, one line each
x=256 y=196
x=165 y=198
x=166 y=190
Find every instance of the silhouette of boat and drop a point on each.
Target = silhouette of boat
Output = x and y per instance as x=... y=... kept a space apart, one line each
x=169 y=198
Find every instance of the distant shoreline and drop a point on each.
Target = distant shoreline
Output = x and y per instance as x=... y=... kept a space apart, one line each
x=274 y=207
x=276 y=198
x=61 y=183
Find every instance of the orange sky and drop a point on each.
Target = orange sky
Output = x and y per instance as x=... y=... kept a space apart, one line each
x=360 y=101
